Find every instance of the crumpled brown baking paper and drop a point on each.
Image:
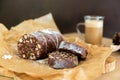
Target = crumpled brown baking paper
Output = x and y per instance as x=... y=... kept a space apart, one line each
x=22 y=69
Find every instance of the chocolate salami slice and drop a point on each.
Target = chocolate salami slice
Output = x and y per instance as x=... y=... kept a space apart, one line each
x=116 y=38
x=38 y=44
x=73 y=48
x=61 y=60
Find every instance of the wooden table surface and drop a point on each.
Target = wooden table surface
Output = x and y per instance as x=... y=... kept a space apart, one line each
x=114 y=75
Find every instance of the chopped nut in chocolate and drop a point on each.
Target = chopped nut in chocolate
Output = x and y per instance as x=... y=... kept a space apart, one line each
x=60 y=60
x=36 y=45
x=73 y=48
x=116 y=38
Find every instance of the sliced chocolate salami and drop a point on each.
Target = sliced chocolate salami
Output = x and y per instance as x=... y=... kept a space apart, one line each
x=116 y=38
x=73 y=48
x=38 y=44
x=61 y=60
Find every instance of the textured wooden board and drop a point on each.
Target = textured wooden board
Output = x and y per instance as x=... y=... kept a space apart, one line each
x=114 y=75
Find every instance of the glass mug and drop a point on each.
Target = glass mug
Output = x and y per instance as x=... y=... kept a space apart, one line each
x=93 y=29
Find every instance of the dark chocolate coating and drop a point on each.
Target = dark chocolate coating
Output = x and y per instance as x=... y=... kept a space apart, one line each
x=61 y=60
x=37 y=45
x=116 y=38
x=73 y=48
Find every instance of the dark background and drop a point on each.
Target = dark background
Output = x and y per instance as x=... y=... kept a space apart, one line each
x=67 y=13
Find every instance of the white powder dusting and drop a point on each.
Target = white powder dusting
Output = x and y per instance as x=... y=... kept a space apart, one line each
x=6 y=56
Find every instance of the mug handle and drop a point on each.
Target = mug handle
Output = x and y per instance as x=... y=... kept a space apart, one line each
x=78 y=30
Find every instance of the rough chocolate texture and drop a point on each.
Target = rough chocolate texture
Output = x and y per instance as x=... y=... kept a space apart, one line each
x=61 y=60
x=73 y=48
x=116 y=38
x=37 y=45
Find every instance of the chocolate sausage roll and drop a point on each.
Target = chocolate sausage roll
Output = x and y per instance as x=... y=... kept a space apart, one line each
x=36 y=45
x=62 y=59
x=73 y=48
x=67 y=56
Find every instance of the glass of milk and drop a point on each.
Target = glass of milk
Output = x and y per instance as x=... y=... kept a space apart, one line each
x=93 y=29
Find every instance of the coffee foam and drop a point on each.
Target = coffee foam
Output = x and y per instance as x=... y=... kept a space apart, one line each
x=94 y=23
